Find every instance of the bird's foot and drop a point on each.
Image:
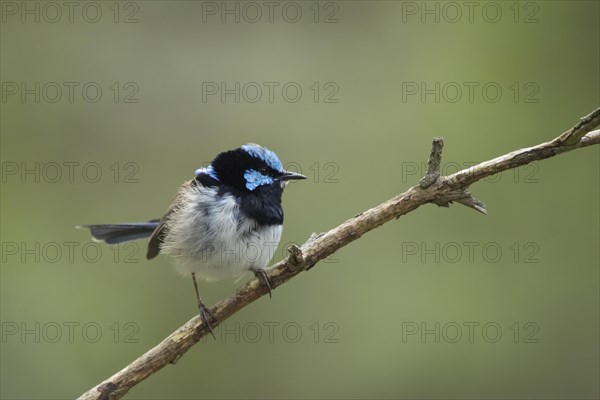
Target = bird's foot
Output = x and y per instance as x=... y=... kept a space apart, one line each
x=205 y=316
x=262 y=276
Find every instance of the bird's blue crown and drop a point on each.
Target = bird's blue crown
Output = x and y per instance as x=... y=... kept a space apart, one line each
x=266 y=155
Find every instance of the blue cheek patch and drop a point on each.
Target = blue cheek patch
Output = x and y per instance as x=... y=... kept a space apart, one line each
x=255 y=179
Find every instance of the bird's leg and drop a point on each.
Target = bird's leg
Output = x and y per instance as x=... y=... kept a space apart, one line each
x=204 y=311
x=261 y=275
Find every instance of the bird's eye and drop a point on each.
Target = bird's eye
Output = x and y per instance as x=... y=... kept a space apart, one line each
x=264 y=171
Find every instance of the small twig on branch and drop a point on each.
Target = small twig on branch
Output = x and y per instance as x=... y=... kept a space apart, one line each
x=585 y=125
x=434 y=164
x=432 y=189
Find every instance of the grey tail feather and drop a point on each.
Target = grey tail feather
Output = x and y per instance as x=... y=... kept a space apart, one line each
x=119 y=233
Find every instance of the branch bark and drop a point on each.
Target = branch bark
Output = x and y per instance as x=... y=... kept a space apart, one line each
x=433 y=188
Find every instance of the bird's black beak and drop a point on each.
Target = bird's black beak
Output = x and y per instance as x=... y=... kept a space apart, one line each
x=287 y=176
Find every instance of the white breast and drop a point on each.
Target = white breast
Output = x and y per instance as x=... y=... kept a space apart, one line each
x=210 y=237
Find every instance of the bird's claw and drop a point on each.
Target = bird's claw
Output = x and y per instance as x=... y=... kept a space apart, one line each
x=205 y=316
x=262 y=276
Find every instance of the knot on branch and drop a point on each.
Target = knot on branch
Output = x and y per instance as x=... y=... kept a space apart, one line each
x=295 y=260
x=461 y=196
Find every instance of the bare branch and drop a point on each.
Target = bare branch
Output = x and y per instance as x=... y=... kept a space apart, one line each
x=432 y=189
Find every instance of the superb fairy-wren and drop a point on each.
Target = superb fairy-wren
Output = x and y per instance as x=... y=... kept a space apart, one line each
x=224 y=222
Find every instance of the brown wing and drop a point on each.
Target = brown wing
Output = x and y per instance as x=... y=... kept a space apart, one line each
x=159 y=233
x=157 y=238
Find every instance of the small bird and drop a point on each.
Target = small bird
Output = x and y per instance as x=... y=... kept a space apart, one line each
x=224 y=222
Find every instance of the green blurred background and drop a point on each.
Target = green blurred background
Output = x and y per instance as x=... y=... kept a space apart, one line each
x=407 y=311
